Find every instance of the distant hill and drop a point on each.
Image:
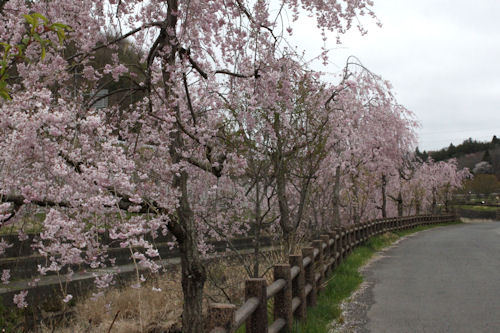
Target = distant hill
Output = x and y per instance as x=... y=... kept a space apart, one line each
x=469 y=153
x=469 y=146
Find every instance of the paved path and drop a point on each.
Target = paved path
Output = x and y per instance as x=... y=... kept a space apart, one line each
x=441 y=280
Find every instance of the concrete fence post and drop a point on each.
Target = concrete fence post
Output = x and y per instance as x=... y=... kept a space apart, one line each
x=257 y=322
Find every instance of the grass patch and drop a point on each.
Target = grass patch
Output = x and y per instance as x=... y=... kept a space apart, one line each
x=345 y=280
x=478 y=208
x=402 y=233
x=10 y=318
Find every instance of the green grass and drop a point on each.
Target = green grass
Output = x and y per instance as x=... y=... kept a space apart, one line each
x=403 y=233
x=29 y=224
x=345 y=280
x=478 y=208
x=10 y=318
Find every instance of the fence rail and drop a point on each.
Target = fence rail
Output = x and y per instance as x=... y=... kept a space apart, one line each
x=297 y=284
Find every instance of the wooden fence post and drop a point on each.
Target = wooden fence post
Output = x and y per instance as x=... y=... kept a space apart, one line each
x=257 y=322
x=318 y=244
x=298 y=286
x=334 y=249
x=351 y=238
x=345 y=242
x=309 y=275
x=326 y=253
x=221 y=315
x=283 y=299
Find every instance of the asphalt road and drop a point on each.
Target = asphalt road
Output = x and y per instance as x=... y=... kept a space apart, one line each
x=440 y=280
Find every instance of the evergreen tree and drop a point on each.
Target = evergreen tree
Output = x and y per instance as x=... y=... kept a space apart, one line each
x=486 y=156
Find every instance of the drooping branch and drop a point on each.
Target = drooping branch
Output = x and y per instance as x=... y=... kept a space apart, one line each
x=186 y=53
x=19 y=200
x=188 y=97
x=183 y=53
x=255 y=74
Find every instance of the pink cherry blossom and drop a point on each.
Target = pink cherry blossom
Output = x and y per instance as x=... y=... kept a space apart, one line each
x=19 y=299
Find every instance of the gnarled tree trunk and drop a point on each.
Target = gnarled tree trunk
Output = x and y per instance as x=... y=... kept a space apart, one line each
x=336 y=198
x=400 y=204
x=384 y=197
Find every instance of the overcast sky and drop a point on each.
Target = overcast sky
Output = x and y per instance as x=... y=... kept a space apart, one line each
x=442 y=57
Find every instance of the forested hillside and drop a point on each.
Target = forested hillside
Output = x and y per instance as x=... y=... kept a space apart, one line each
x=469 y=146
x=469 y=153
x=481 y=158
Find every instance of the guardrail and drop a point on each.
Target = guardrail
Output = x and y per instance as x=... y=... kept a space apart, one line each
x=297 y=284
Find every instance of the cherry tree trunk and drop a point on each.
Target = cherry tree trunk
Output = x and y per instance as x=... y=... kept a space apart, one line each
x=183 y=227
x=256 y=239
x=285 y=222
x=279 y=173
x=400 y=204
x=336 y=198
x=193 y=274
x=434 y=203
x=193 y=280
x=384 y=196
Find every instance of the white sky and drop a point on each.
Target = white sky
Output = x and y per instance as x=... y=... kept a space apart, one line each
x=442 y=57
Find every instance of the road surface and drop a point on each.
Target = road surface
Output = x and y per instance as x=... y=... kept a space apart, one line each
x=440 y=280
